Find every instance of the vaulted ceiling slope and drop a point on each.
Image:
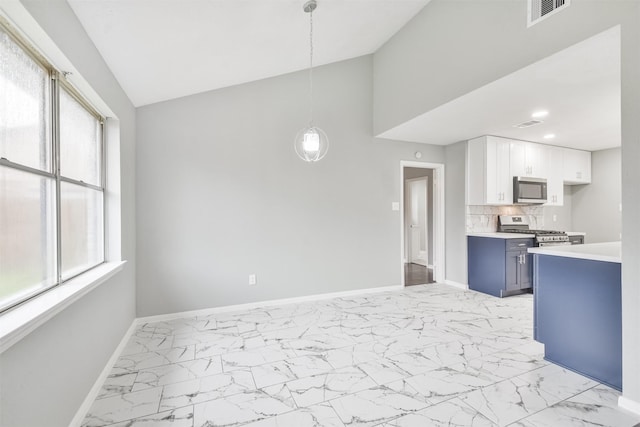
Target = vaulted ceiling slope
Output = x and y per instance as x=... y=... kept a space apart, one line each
x=165 y=49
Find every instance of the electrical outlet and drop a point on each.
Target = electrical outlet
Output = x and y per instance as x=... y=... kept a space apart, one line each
x=555 y=217
x=395 y=206
x=253 y=279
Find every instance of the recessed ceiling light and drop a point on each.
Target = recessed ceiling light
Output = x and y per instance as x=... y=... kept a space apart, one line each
x=539 y=114
x=550 y=136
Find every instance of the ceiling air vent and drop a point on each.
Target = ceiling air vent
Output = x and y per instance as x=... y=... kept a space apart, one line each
x=542 y=9
x=527 y=124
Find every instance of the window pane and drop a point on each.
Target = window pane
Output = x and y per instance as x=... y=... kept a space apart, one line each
x=80 y=141
x=27 y=227
x=81 y=228
x=24 y=107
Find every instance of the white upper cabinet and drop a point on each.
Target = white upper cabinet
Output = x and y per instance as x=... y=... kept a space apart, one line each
x=528 y=159
x=555 y=175
x=492 y=163
x=489 y=181
x=576 y=166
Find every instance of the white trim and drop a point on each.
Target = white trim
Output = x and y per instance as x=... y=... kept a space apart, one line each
x=455 y=284
x=438 y=217
x=97 y=386
x=22 y=21
x=268 y=303
x=20 y=321
x=629 y=405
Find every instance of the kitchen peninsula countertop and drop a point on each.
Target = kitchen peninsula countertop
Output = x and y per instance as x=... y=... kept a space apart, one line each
x=607 y=252
x=497 y=235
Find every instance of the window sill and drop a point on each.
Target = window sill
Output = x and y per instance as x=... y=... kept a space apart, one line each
x=18 y=322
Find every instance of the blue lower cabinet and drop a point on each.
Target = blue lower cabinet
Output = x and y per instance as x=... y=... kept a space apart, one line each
x=578 y=315
x=499 y=267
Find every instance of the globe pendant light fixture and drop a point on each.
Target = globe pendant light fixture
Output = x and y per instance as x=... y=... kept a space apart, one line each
x=311 y=142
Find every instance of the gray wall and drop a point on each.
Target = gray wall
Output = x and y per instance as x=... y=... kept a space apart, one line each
x=596 y=206
x=221 y=194
x=410 y=173
x=46 y=376
x=453 y=47
x=455 y=212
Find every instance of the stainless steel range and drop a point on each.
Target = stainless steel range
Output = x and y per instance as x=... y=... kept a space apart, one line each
x=520 y=224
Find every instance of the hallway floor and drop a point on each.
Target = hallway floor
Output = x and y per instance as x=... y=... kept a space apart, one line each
x=416 y=274
x=421 y=356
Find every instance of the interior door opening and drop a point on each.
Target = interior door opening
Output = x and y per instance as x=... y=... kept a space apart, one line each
x=422 y=223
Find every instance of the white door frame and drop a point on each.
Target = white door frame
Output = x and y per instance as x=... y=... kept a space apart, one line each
x=425 y=226
x=438 y=217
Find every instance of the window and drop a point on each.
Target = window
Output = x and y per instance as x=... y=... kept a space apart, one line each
x=51 y=177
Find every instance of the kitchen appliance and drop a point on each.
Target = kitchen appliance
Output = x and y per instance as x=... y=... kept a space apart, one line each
x=529 y=191
x=520 y=224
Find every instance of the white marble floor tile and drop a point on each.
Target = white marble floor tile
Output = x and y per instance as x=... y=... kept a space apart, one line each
x=313 y=416
x=290 y=369
x=508 y=401
x=557 y=381
x=374 y=406
x=114 y=409
x=181 y=417
x=207 y=388
x=579 y=414
x=177 y=372
x=255 y=357
x=422 y=356
x=238 y=409
x=451 y=413
x=117 y=384
x=320 y=388
x=138 y=361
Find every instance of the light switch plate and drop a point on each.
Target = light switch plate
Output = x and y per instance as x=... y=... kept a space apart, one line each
x=395 y=206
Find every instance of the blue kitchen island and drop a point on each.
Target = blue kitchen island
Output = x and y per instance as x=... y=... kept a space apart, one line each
x=578 y=308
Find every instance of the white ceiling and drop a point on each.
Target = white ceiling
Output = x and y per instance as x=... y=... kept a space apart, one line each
x=165 y=49
x=579 y=86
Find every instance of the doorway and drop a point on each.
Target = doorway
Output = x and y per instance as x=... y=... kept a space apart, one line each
x=422 y=223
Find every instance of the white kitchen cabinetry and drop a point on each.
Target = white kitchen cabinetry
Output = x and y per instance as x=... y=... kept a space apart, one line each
x=489 y=180
x=576 y=166
x=554 y=157
x=528 y=159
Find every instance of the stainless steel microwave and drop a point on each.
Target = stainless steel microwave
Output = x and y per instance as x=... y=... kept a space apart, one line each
x=529 y=191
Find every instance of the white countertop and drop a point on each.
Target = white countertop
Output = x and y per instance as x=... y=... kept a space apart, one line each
x=497 y=235
x=576 y=233
x=608 y=251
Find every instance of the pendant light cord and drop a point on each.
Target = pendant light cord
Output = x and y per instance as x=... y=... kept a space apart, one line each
x=311 y=68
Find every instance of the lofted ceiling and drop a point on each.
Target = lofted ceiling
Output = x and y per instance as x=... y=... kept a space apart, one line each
x=579 y=87
x=165 y=49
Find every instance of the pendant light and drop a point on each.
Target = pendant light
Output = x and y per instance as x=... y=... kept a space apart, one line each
x=311 y=143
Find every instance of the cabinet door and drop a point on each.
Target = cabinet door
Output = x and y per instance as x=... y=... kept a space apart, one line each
x=503 y=175
x=576 y=166
x=555 y=178
x=517 y=162
x=526 y=270
x=535 y=160
x=512 y=270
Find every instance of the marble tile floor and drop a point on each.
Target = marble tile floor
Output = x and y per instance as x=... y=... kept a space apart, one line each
x=429 y=355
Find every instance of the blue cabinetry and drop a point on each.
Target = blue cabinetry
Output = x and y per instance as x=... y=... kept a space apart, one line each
x=499 y=267
x=578 y=315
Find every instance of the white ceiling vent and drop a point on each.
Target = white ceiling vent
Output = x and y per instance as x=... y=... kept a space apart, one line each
x=542 y=9
x=528 y=124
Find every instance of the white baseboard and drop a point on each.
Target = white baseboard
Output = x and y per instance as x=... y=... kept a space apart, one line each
x=629 y=405
x=93 y=393
x=456 y=284
x=268 y=303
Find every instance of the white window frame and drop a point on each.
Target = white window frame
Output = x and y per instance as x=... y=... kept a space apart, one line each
x=19 y=321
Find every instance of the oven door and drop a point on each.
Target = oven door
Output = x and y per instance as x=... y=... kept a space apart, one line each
x=529 y=190
x=541 y=244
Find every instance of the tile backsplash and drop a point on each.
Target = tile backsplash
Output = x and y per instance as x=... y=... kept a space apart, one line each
x=485 y=218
